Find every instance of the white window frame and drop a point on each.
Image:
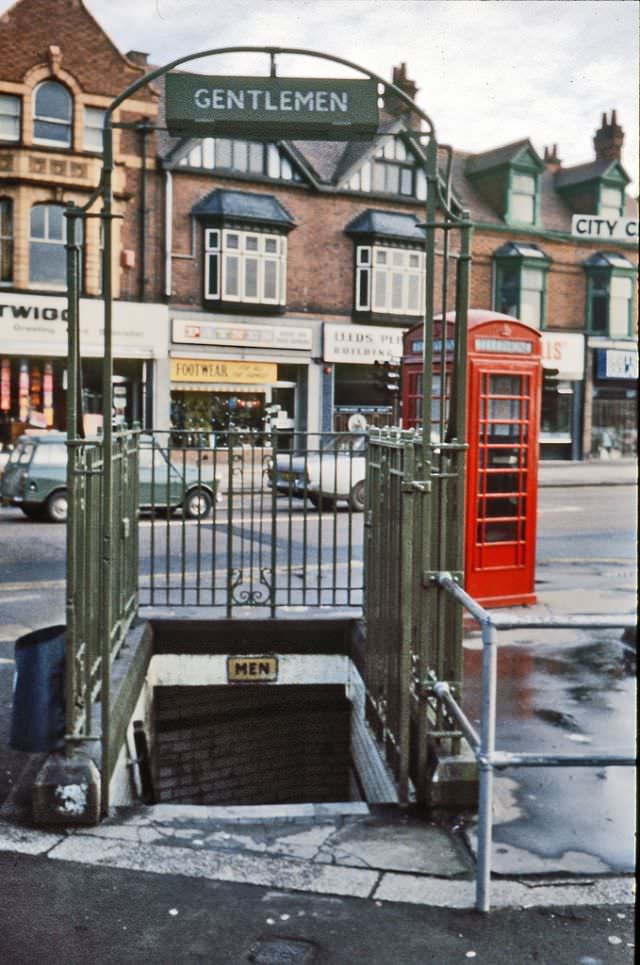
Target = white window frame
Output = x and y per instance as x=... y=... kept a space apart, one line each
x=10 y=118
x=371 y=275
x=212 y=263
x=6 y=239
x=89 y=130
x=516 y=190
x=217 y=246
x=56 y=244
x=66 y=124
x=605 y=208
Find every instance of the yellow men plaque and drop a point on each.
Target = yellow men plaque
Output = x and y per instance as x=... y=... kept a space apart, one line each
x=252 y=670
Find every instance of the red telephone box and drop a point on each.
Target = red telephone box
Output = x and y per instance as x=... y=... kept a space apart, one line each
x=503 y=416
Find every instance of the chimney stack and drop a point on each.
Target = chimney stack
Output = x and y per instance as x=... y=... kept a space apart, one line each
x=609 y=139
x=394 y=107
x=138 y=57
x=551 y=159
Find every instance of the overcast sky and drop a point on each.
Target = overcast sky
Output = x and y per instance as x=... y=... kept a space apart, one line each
x=489 y=71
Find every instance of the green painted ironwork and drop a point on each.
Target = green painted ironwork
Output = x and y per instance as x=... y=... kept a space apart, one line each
x=413 y=517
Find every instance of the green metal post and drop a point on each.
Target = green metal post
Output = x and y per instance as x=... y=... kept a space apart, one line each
x=107 y=450
x=73 y=355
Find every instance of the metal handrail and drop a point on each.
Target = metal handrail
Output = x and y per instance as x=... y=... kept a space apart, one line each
x=483 y=745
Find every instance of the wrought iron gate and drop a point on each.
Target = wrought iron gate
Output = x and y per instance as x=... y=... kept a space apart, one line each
x=251 y=520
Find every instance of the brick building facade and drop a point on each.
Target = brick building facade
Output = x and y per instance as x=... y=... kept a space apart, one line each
x=284 y=270
x=59 y=74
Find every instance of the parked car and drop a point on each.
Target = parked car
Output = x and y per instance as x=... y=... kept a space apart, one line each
x=334 y=471
x=35 y=479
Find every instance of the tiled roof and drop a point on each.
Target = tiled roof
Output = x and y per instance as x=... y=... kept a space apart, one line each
x=582 y=172
x=244 y=205
x=488 y=160
x=386 y=224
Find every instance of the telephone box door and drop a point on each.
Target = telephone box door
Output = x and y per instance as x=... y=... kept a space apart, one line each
x=502 y=480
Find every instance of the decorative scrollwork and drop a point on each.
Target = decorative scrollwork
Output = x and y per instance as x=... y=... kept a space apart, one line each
x=251 y=595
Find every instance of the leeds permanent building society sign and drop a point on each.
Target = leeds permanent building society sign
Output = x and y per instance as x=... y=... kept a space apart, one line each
x=268 y=107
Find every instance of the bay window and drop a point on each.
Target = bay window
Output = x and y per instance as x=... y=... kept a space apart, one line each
x=389 y=281
x=610 y=288
x=244 y=266
x=520 y=282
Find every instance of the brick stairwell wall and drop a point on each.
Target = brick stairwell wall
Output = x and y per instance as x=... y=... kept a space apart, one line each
x=251 y=744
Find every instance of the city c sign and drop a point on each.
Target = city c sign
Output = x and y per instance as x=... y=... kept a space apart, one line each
x=271 y=107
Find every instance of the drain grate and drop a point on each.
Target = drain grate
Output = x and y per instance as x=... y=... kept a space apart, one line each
x=282 y=951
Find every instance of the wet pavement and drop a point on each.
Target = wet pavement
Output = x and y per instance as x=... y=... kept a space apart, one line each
x=578 y=696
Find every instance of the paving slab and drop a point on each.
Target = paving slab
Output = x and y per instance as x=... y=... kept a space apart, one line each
x=294 y=875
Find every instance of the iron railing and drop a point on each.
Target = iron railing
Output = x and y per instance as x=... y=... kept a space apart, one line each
x=412 y=526
x=279 y=524
x=483 y=744
x=91 y=652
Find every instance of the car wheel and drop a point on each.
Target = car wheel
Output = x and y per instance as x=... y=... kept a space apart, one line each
x=356 y=497
x=57 y=507
x=197 y=504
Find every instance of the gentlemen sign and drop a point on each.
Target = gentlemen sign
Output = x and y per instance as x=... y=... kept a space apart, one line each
x=270 y=107
x=607 y=229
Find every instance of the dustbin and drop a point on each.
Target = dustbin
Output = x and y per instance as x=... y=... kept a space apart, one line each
x=37 y=720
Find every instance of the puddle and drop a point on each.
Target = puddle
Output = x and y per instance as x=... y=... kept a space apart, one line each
x=577 y=698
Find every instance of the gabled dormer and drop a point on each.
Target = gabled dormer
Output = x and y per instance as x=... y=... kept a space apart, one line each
x=391 y=165
x=509 y=179
x=597 y=188
x=235 y=157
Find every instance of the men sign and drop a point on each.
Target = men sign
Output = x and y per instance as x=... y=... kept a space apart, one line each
x=271 y=107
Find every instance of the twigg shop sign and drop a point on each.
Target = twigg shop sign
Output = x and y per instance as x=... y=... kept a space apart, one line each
x=271 y=107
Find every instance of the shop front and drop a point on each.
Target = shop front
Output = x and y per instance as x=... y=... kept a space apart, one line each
x=357 y=395
x=236 y=376
x=562 y=395
x=34 y=372
x=614 y=412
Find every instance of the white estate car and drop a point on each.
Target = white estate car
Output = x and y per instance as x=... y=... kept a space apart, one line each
x=333 y=471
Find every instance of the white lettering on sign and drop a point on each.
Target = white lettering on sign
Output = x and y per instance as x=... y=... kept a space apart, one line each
x=225 y=99
x=620 y=364
x=590 y=226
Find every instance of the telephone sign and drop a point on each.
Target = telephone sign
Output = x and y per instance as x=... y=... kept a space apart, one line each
x=271 y=107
